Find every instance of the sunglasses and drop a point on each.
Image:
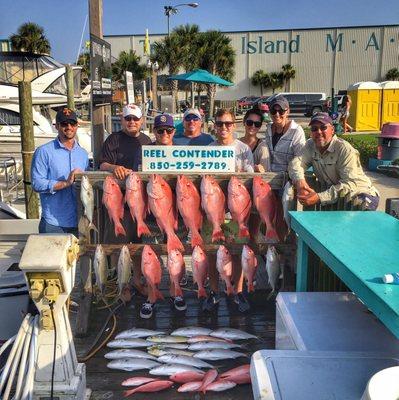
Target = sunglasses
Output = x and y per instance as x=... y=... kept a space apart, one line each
x=315 y=128
x=228 y=124
x=161 y=131
x=66 y=123
x=192 y=117
x=131 y=118
x=280 y=111
x=250 y=122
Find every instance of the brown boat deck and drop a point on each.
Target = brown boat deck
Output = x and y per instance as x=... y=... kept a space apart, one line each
x=106 y=383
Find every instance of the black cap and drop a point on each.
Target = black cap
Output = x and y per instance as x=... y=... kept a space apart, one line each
x=66 y=114
x=281 y=101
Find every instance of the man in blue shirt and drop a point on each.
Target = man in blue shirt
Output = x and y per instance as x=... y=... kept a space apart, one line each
x=192 y=135
x=54 y=167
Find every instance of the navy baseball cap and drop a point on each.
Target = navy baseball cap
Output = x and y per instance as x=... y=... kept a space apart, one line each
x=163 y=121
x=281 y=101
x=66 y=114
x=322 y=117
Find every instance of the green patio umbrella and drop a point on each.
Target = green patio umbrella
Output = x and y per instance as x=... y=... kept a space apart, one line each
x=201 y=76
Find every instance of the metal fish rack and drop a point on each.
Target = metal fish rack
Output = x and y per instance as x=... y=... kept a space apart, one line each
x=88 y=245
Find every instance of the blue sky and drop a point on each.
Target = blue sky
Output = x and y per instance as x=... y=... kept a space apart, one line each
x=63 y=21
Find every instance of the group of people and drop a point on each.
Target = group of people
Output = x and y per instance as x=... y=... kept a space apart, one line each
x=281 y=147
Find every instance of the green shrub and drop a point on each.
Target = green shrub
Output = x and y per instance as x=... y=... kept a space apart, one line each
x=366 y=147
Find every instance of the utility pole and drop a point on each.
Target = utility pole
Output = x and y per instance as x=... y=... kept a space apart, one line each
x=70 y=87
x=98 y=114
x=28 y=147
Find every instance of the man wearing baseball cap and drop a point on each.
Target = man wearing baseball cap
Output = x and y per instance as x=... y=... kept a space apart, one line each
x=54 y=167
x=192 y=135
x=336 y=165
x=121 y=154
x=121 y=151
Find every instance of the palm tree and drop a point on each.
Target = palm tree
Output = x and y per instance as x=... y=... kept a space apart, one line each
x=276 y=80
x=128 y=61
x=84 y=62
x=168 y=53
x=288 y=74
x=188 y=36
x=258 y=79
x=30 y=38
x=392 y=75
x=216 y=55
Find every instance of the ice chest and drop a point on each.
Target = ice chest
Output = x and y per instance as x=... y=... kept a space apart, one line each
x=329 y=321
x=305 y=375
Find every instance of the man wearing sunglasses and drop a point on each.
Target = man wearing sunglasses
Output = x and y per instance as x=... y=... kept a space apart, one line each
x=284 y=139
x=192 y=135
x=54 y=167
x=336 y=165
x=121 y=152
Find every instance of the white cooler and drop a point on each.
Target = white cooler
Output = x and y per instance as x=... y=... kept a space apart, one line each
x=308 y=375
x=329 y=321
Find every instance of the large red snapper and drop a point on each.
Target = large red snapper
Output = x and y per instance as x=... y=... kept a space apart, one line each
x=249 y=264
x=213 y=203
x=136 y=198
x=200 y=268
x=224 y=265
x=113 y=201
x=176 y=268
x=266 y=204
x=239 y=203
x=152 y=271
x=161 y=204
x=239 y=375
x=189 y=205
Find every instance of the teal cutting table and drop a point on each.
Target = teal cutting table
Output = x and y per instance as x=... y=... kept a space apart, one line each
x=360 y=247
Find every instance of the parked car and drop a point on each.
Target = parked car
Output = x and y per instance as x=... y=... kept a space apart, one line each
x=246 y=102
x=304 y=103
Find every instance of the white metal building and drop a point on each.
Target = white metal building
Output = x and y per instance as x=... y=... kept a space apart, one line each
x=323 y=58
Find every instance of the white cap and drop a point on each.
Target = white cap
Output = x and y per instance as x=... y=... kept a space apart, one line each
x=192 y=111
x=388 y=278
x=132 y=109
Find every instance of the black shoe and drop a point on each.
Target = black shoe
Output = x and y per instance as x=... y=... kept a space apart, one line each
x=242 y=302
x=211 y=301
x=179 y=303
x=146 y=310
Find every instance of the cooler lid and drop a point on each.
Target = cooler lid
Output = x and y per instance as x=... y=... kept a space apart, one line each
x=300 y=375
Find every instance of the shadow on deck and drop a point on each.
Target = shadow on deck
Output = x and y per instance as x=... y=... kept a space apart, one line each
x=106 y=383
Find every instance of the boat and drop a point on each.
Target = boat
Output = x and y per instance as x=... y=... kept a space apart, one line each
x=47 y=77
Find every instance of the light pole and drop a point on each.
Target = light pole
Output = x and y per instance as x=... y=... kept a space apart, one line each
x=173 y=9
x=153 y=67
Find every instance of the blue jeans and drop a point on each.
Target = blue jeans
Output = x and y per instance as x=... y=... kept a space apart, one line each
x=45 y=227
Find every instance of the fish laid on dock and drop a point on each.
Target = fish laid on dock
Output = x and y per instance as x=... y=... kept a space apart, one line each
x=159 y=351
x=207 y=338
x=167 y=339
x=187 y=376
x=155 y=386
x=137 y=381
x=180 y=346
x=232 y=333
x=220 y=385
x=170 y=369
x=132 y=364
x=128 y=353
x=138 y=333
x=218 y=354
x=190 y=331
x=239 y=375
x=185 y=360
x=212 y=345
x=128 y=343
x=190 y=387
